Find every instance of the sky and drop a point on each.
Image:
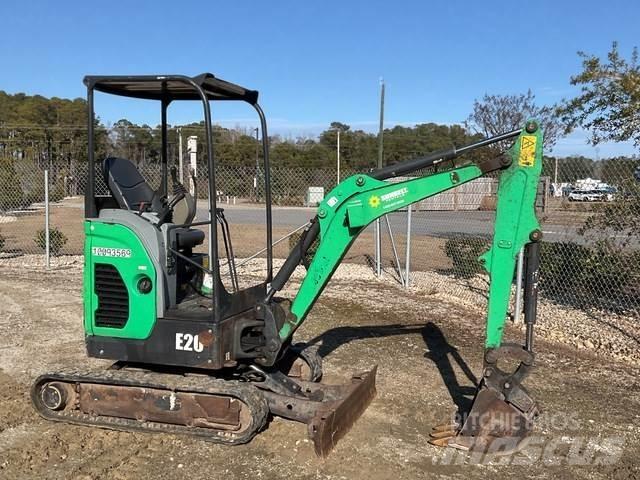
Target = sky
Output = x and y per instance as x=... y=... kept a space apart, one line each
x=318 y=62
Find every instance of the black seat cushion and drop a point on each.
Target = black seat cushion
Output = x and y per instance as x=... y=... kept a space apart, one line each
x=188 y=238
x=128 y=186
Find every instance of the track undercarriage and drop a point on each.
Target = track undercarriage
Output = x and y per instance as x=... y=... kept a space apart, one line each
x=230 y=410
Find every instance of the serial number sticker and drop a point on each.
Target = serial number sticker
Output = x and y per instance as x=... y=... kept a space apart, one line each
x=528 y=151
x=111 y=252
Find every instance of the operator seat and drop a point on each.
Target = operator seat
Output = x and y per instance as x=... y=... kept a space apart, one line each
x=128 y=186
x=132 y=192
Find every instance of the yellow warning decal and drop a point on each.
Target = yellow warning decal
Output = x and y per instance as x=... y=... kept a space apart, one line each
x=528 y=151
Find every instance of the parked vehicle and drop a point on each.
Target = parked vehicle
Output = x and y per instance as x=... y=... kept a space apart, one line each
x=606 y=194
x=584 y=196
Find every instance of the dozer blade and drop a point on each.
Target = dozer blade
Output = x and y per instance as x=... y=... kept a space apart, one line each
x=328 y=410
x=334 y=419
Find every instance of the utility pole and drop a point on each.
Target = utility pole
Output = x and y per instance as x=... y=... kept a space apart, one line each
x=180 y=165
x=380 y=137
x=338 y=157
x=378 y=246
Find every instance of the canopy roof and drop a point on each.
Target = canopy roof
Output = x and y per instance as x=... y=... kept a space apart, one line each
x=170 y=87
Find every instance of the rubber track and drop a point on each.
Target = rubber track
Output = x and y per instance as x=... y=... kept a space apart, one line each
x=202 y=384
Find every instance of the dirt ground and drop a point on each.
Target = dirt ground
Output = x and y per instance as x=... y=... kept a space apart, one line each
x=423 y=345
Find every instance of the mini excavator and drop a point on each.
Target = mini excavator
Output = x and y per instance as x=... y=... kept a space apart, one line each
x=193 y=357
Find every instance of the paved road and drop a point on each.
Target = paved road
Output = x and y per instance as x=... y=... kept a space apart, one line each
x=432 y=223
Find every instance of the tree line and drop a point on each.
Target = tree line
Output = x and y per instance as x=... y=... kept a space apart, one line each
x=43 y=131
x=52 y=131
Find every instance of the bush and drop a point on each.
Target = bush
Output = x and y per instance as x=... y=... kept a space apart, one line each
x=57 y=240
x=11 y=195
x=589 y=274
x=57 y=190
x=569 y=271
x=608 y=267
x=464 y=253
x=561 y=266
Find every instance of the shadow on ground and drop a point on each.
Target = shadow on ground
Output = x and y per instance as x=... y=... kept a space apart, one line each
x=439 y=351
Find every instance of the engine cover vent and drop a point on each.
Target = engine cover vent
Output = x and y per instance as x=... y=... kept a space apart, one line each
x=113 y=297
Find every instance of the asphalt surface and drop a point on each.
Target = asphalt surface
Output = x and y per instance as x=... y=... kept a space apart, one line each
x=431 y=223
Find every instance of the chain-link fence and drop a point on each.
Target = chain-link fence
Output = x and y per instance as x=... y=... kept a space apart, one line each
x=591 y=225
x=590 y=256
x=22 y=213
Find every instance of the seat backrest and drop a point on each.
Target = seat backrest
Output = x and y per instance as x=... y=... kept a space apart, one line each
x=127 y=185
x=185 y=210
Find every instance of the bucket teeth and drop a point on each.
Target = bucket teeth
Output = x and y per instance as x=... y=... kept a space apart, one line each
x=443 y=434
x=445 y=427
x=493 y=425
x=440 y=442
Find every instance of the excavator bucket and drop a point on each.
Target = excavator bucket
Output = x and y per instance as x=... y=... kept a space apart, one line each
x=502 y=414
x=493 y=425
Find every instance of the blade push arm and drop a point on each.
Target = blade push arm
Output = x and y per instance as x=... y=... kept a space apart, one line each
x=361 y=199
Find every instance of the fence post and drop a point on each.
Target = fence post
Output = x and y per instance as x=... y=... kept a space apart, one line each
x=46 y=219
x=378 y=249
x=395 y=250
x=180 y=162
x=407 y=259
x=192 y=151
x=378 y=239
